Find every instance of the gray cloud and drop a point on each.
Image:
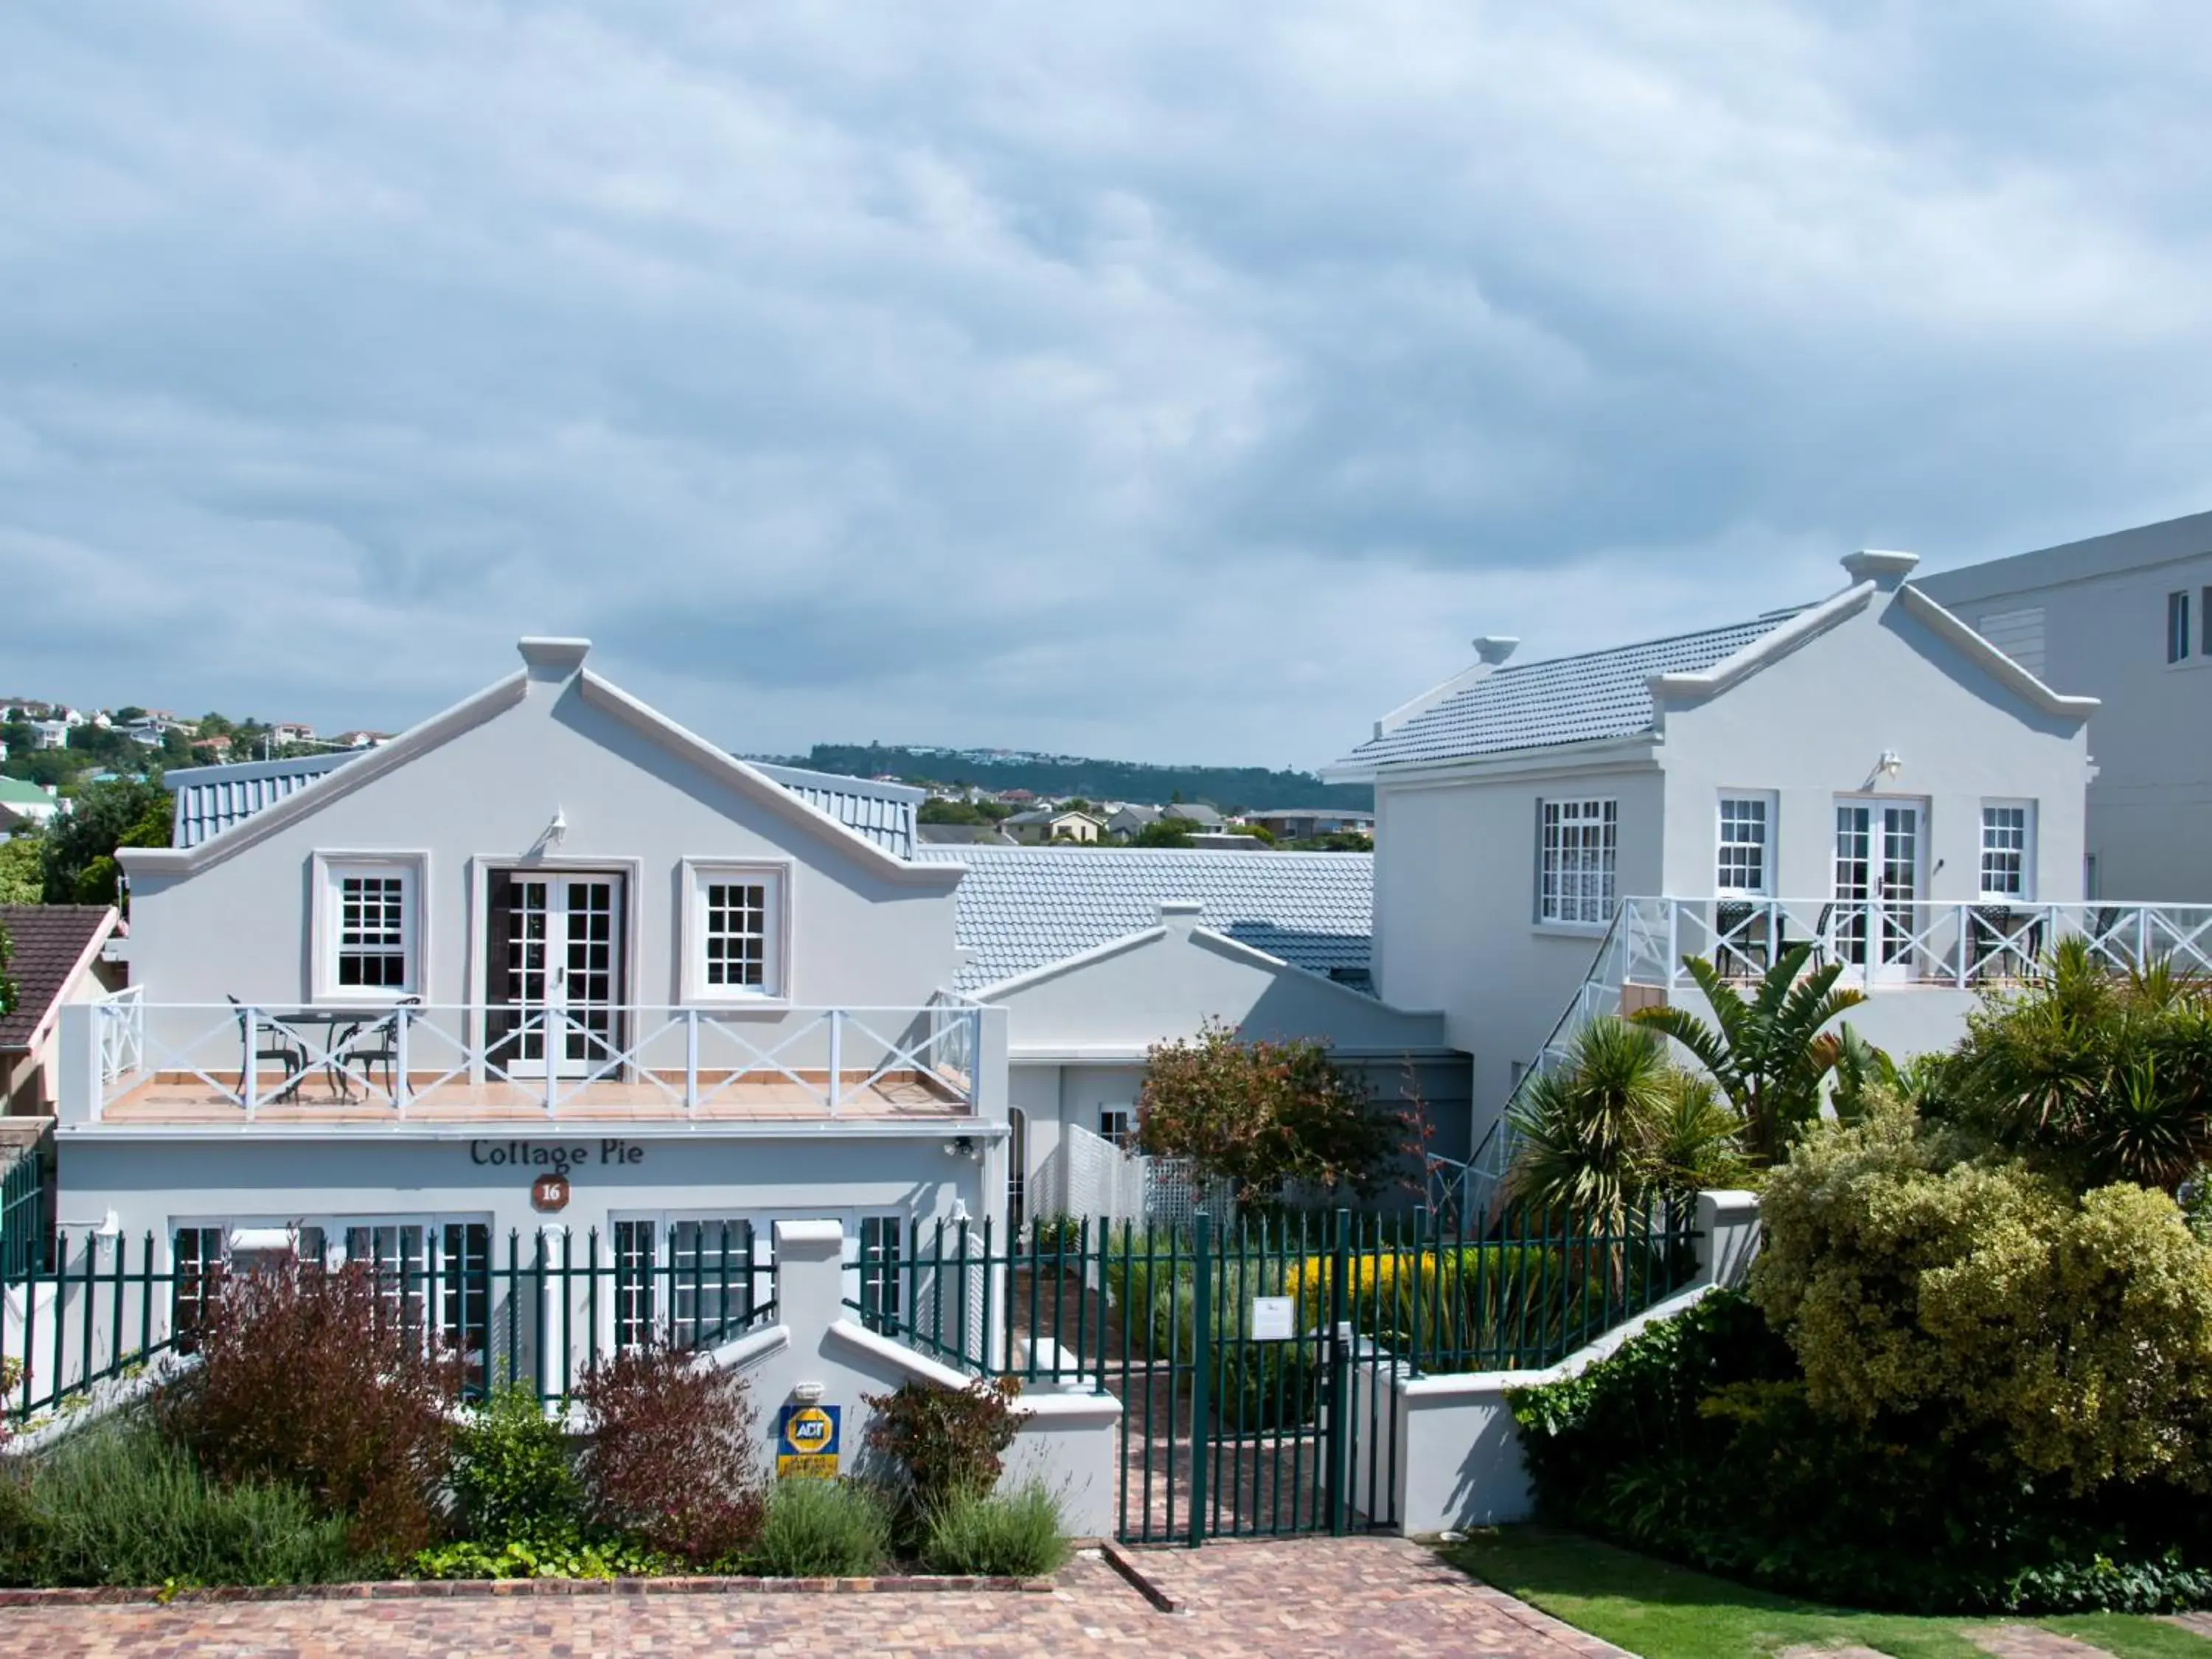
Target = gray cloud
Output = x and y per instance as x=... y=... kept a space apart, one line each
x=1143 y=380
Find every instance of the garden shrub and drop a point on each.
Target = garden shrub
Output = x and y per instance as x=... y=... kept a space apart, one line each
x=670 y=1460
x=1015 y=1534
x=118 y=1503
x=940 y=1441
x=1263 y=1115
x=824 y=1529
x=514 y=1476
x=1988 y=1299
x=1696 y=1441
x=566 y=1558
x=316 y=1380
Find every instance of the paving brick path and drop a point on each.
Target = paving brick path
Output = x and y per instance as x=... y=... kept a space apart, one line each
x=1245 y=1601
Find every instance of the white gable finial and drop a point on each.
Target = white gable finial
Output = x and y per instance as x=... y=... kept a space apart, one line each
x=551 y=656
x=1881 y=568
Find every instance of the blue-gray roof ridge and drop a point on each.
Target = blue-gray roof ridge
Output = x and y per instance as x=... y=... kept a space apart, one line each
x=884 y=812
x=213 y=798
x=1021 y=907
x=1590 y=696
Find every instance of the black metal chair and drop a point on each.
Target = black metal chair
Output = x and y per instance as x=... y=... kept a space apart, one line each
x=276 y=1044
x=376 y=1045
x=1784 y=943
x=1739 y=946
x=2006 y=945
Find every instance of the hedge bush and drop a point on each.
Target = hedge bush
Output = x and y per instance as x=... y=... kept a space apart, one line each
x=1989 y=1300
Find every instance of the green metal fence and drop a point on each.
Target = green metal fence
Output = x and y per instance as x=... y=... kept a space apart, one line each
x=103 y=1308
x=1255 y=1364
x=24 y=1213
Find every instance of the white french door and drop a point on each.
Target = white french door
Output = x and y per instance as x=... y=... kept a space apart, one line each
x=1880 y=864
x=554 y=944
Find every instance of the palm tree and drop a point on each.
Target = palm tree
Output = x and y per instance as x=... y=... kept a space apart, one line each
x=1767 y=1052
x=2099 y=1075
x=1615 y=1126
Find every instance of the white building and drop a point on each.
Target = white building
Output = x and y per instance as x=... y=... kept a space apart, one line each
x=1095 y=955
x=1866 y=774
x=52 y=734
x=2126 y=617
x=547 y=932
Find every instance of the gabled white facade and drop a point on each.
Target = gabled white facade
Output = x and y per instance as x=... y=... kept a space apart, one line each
x=1874 y=709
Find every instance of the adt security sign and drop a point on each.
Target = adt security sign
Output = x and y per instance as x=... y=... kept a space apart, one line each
x=806 y=1442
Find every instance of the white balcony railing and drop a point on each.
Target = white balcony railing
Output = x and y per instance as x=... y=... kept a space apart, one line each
x=1883 y=943
x=194 y=1061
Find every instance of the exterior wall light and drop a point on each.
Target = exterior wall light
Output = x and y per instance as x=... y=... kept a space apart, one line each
x=806 y=1394
x=962 y=1147
x=1891 y=763
x=557 y=831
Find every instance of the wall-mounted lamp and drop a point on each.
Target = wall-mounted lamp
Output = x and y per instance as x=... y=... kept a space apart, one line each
x=962 y=1147
x=557 y=831
x=1890 y=765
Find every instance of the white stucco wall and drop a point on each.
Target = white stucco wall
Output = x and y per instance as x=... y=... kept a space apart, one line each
x=1455 y=924
x=145 y=1184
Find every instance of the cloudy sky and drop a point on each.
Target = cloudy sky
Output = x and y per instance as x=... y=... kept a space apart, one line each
x=1160 y=381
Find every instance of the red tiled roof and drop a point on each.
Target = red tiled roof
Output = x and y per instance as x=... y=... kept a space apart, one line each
x=48 y=940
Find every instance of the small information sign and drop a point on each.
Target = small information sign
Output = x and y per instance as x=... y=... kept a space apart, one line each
x=1274 y=1318
x=806 y=1442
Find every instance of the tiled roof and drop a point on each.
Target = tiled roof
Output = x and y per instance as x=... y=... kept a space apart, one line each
x=1023 y=907
x=1603 y=694
x=211 y=799
x=47 y=941
x=884 y=812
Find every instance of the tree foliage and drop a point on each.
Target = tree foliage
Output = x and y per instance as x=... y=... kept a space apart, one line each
x=1768 y=1051
x=1617 y=1125
x=1978 y=1294
x=79 y=846
x=1261 y=1115
x=2091 y=1075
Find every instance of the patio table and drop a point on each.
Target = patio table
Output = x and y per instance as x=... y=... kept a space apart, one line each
x=354 y=1020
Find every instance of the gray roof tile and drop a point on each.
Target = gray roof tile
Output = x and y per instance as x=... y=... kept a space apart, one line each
x=1601 y=694
x=1021 y=908
x=212 y=798
x=884 y=812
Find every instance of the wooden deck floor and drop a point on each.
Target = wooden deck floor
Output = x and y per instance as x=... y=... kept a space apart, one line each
x=193 y=1099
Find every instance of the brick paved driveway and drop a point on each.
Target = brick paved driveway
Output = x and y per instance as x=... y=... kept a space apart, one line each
x=1359 y=1595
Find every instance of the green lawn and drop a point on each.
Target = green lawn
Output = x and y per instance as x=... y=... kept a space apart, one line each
x=1666 y=1611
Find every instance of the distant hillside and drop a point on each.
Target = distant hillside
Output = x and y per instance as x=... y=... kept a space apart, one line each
x=1232 y=788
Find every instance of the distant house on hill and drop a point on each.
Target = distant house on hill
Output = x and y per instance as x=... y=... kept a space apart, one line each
x=26 y=804
x=963 y=835
x=1053 y=823
x=1124 y=822
x=1304 y=823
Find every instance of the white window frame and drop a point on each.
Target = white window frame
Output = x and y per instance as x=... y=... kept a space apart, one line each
x=2180 y=618
x=1769 y=816
x=325 y=924
x=700 y=875
x=2026 y=893
x=1127 y=1111
x=1552 y=823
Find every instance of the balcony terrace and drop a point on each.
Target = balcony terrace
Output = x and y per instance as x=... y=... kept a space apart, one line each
x=131 y=1062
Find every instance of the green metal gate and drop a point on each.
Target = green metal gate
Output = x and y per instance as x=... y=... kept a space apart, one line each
x=1228 y=1428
